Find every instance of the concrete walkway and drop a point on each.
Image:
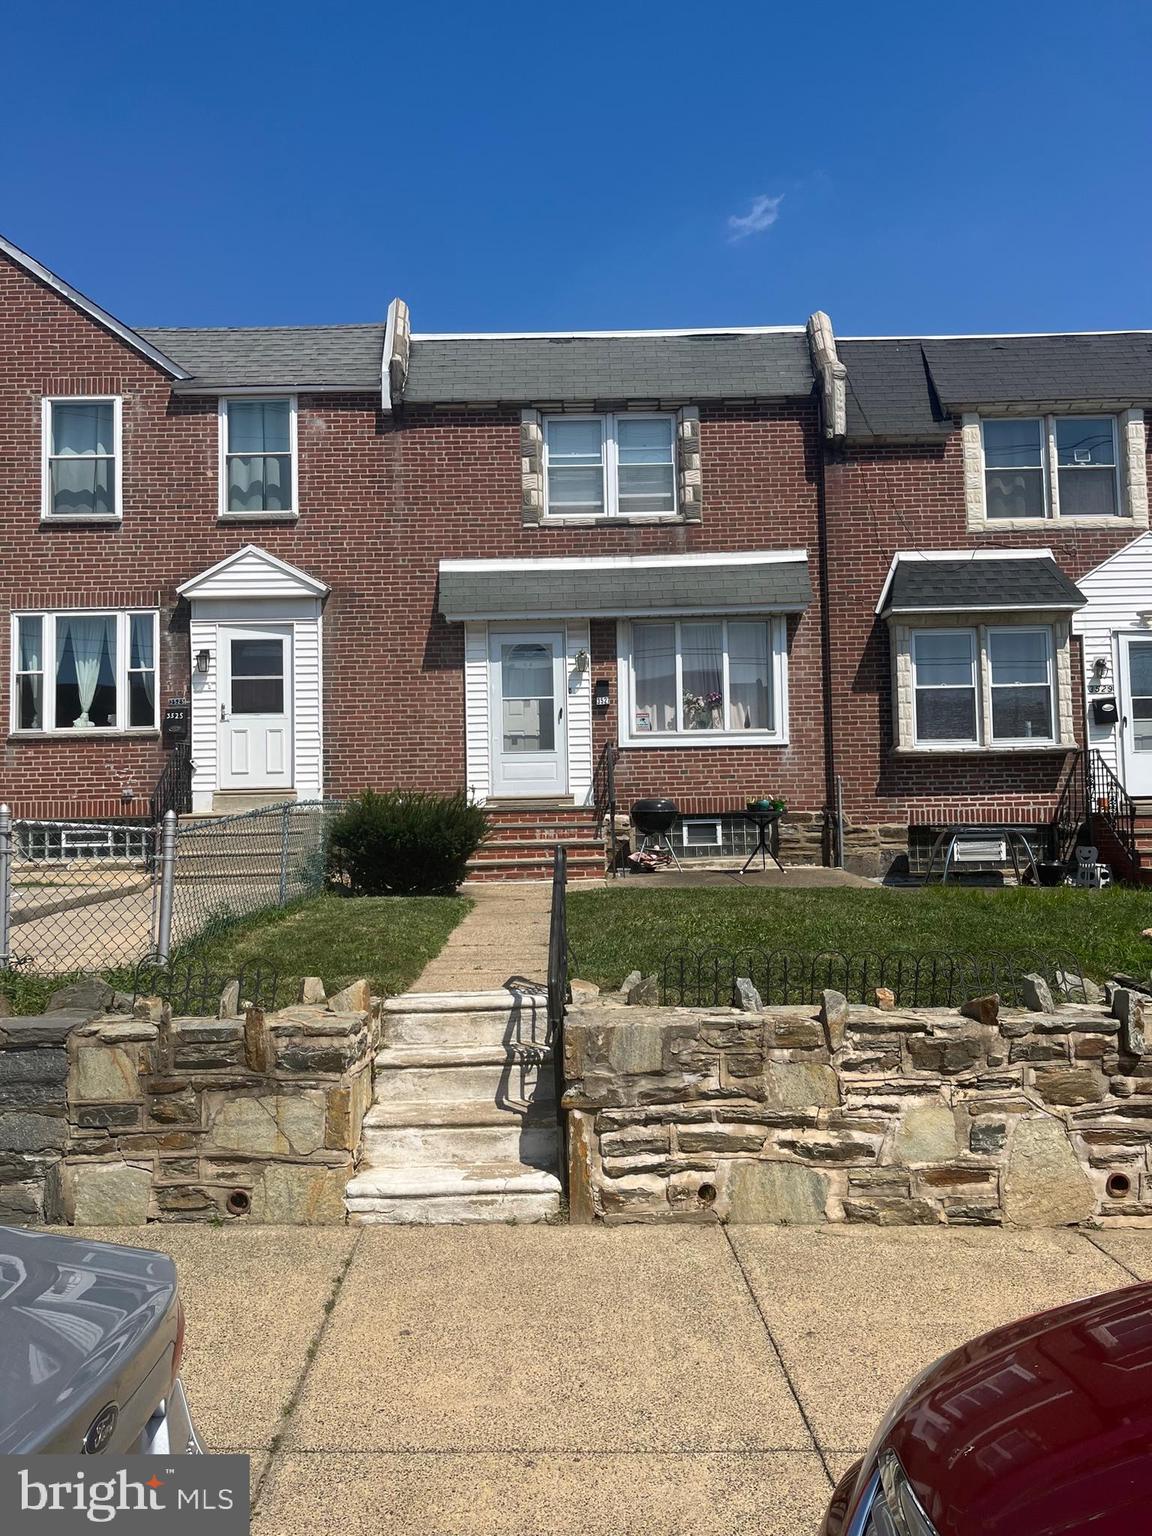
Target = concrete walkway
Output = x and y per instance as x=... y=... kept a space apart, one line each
x=505 y=934
x=509 y=1381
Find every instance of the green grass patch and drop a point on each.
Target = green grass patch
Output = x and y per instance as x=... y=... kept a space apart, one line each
x=628 y=927
x=388 y=939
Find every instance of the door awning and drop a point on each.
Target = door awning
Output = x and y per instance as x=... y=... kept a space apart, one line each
x=626 y=586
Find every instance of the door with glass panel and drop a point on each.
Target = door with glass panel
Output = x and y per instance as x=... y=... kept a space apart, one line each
x=1136 y=713
x=528 y=695
x=255 y=707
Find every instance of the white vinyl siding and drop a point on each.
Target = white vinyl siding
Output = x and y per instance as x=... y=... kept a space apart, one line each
x=622 y=464
x=1119 y=594
x=81 y=459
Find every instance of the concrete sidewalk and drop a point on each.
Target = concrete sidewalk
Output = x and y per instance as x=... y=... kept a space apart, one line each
x=513 y=1381
x=505 y=934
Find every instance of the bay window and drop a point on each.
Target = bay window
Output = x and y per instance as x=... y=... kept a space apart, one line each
x=615 y=465
x=1050 y=467
x=983 y=687
x=81 y=458
x=84 y=671
x=701 y=680
x=258 y=457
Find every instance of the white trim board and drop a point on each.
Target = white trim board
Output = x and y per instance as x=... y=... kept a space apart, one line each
x=242 y=564
x=633 y=562
x=93 y=311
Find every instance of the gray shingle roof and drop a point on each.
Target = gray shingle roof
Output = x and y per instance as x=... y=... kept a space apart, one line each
x=927 y=586
x=889 y=394
x=559 y=588
x=908 y=388
x=525 y=369
x=969 y=370
x=341 y=356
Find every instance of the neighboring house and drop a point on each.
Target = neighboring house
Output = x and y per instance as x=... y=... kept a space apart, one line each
x=365 y=556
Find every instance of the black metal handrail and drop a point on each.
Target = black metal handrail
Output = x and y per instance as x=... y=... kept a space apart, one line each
x=173 y=791
x=604 y=795
x=558 y=995
x=1109 y=802
x=1071 y=810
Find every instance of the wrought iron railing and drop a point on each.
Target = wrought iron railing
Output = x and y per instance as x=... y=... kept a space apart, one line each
x=1109 y=803
x=173 y=790
x=706 y=978
x=604 y=797
x=196 y=986
x=1071 y=811
x=558 y=990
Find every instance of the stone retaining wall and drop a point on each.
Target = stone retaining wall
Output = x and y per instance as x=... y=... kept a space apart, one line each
x=988 y=1116
x=110 y=1118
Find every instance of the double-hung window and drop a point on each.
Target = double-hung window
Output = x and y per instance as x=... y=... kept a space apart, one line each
x=983 y=688
x=1050 y=467
x=77 y=671
x=258 y=457
x=693 y=681
x=81 y=458
x=615 y=465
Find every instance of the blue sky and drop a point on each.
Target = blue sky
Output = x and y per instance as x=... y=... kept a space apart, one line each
x=907 y=167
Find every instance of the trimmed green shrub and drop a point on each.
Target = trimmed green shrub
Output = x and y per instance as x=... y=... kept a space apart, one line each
x=404 y=843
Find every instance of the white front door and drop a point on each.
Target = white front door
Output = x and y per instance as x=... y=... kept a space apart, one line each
x=1136 y=713
x=255 y=706
x=528 y=692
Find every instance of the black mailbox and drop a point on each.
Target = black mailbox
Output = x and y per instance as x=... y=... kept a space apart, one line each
x=176 y=719
x=1104 y=711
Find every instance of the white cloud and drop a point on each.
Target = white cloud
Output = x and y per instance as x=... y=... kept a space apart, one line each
x=761 y=215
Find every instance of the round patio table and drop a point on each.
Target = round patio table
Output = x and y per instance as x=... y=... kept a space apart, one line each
x=762 y=820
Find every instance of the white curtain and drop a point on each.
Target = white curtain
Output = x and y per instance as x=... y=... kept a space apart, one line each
x=90 y=644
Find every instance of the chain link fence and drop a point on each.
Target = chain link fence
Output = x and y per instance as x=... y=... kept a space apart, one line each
x=81 y=896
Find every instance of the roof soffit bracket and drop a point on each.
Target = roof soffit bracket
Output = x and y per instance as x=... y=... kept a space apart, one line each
x=832 y=373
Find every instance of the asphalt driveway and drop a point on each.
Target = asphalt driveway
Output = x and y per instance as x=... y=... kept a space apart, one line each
x=517 y=1381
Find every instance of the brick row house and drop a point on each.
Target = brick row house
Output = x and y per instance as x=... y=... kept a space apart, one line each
x=759 y=561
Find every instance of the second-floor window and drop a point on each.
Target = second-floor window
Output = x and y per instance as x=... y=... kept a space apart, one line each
x=81 y=458
x=258 y=452
x=615 y=465
x=1051 y=466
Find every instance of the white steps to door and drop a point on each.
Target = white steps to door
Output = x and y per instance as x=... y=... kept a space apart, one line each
x=463 y=1125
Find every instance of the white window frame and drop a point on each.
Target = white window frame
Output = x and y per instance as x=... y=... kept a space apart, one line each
x=1050 y=472
x=48 y=618
x=979 y=640
x=607 y=421
x=940 y=743
x=47 y=405
x=778 y=640
x=696 y=822
x=284 y=515
x=1053 y=701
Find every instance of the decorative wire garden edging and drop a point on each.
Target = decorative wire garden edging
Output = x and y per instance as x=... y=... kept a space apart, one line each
x=705 y=978
x=192 y=987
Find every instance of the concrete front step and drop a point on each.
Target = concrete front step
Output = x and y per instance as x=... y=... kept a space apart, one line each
x=465 y=1002
x=502 y=1191
x=416 y=1114
x=441 y=1058
x=408 y=1146
x=488 y=1028
x=467 y=1209
x=509 y=1081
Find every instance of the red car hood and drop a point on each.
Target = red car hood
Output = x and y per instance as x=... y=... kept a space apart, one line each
x=1042 y=1428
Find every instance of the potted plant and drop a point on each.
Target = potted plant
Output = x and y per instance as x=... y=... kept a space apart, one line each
x=766 y=803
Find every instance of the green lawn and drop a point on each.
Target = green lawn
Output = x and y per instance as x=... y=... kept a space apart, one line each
x=388 y=939
x=627 y=927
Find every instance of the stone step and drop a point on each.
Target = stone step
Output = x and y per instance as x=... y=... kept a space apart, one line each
x=465 y=1002
x=399 y=1058
x=424 y=1114
x=515 y=1208
x=507 y=1082
x=498 y=1178
x=444 y=1146
x=482 y=1027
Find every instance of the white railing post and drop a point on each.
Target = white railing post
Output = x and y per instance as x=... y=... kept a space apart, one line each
x=167 y=886
x=5 y=886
